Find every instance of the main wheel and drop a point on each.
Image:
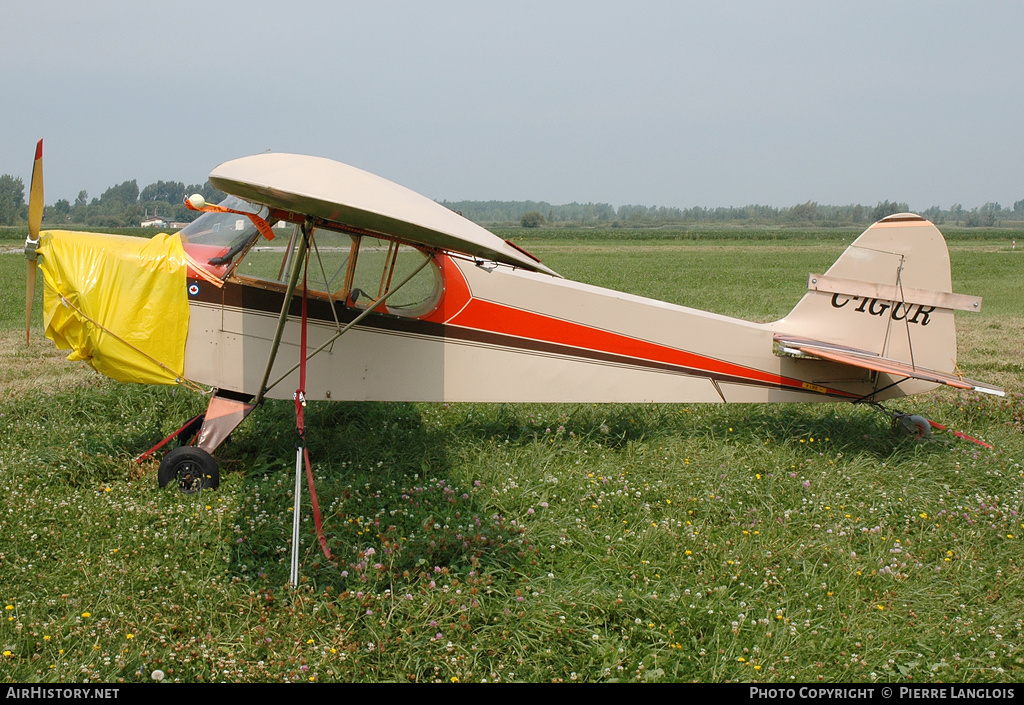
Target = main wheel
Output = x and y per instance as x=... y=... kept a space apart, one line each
x=192 y=468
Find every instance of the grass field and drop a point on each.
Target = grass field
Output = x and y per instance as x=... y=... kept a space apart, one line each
x=531 y=542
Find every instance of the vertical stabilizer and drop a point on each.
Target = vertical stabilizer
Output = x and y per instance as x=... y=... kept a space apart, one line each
x=889 y=293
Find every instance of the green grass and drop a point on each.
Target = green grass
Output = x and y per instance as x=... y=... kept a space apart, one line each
x=768 y=543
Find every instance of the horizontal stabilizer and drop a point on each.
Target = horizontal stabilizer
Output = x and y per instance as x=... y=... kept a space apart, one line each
x=901 y=294
x=804 y=347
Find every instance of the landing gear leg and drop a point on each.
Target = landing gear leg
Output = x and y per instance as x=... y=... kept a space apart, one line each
x=193 y=467
x=222 y=416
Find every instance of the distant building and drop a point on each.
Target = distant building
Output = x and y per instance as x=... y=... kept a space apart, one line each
x=156 y=221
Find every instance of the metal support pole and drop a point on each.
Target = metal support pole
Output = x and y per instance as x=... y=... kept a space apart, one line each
x=294 y=575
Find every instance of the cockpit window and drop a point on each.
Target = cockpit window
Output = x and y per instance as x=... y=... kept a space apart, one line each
x=381 y=266
x=216 y=238
x=353 y=270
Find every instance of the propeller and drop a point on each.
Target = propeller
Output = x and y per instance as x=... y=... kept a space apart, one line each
x=35 y=219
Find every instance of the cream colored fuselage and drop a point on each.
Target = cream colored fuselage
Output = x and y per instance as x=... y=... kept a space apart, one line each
x=570 y=342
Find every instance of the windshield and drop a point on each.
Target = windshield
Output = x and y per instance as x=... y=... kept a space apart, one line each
x=224 y=229
x=215 y=238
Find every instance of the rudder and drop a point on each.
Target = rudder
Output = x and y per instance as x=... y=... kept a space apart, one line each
x=890 y=294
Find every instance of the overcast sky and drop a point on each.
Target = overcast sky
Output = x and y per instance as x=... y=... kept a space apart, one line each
x=655 y=103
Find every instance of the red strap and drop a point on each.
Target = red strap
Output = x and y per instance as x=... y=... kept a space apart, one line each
x=261 y=225
x=300 y=421
x=960 y=434
x=983 y=444
x=316 y=505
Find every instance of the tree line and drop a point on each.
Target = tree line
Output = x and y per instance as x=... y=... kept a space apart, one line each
x=125 y=205
x=532 y=214
x=119 y=206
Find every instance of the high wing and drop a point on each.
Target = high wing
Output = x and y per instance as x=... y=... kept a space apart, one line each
x=340 y=193
x=792 y=346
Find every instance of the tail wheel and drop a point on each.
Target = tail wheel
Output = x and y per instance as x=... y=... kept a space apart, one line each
x=191 y=468
x=916 y=426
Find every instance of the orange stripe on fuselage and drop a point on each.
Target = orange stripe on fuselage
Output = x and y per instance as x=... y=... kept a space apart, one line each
x=499 y=318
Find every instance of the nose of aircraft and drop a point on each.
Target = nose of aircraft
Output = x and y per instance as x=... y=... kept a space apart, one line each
x=119 y=303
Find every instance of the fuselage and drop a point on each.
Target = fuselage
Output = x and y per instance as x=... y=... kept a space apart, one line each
x=500 y=334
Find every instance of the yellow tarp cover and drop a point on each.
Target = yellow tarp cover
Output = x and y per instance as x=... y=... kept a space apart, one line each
x=129 y=287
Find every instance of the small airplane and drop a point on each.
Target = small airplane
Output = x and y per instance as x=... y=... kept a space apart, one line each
x=315 y=280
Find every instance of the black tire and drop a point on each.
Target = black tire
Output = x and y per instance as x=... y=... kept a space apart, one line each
x=191 y=468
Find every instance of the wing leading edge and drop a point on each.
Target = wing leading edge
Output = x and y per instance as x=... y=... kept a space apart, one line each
x=797 y=347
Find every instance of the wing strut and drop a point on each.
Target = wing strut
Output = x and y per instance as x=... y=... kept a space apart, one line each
x=366 y=312
x=300 y=256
